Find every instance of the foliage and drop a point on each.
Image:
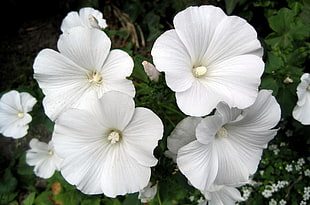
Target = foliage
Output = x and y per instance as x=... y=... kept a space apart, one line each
x=284 y=30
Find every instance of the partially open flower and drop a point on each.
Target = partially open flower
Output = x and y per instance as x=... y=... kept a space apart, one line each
x=301 y=111
x=87 y=17
x=14 y=117
x=208 y=58
x=147 y=193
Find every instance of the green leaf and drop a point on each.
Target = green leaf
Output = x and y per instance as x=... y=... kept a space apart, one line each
x=7 y=197
x=132 y=199
x=274 y=63
x=268 y=82
x=281 y=22
x=44 y=198
x=91 y=201
x=8 y=182
x=30 y=199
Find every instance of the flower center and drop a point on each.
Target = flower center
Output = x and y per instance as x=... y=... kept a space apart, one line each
x=95 y=77
x=222 y=132
x=199 y=71
x=114 y=136
x=20 y=115
x=93 y=21
x=50 y=152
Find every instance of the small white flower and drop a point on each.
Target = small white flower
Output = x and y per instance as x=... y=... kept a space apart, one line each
x=301 y=111
x=210 y=57
x=289 y=167
x=87 y=17
x=267 y=193
x=14 y=117
x=43 y=157
x=246 y=192
x=303 y=203
x=282 y=202
x=151 y=71
x=225 y=149
x=301 y=161
x=307 y=172
x=273 y=202
x=83 y=70
x=148 y=193
x=109 y=147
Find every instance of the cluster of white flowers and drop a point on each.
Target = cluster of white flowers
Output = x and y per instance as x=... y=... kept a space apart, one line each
x=101 y=143
x=246 y=192
x=274 y=148
x=306 y=195
x=212 y=60
x=270 y=189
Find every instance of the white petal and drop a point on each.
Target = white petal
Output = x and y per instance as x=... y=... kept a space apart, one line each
x=170 y=55
x=10 y=102
x=264 y=114
x=231 y=169
x=116 y=68
x=183 y=133
x=302 y=113
x=195 y=26
x=84 y=16
x=250 y=144
x=224 y=196
x=71 y=20
x=199 y=164
x=197 y=100
x=233 y=37
x=235 y=80
x=115 y=110
x=122 y=174
x=141 y=136
x=27 y=101
x=208 y=127
x=88 y=48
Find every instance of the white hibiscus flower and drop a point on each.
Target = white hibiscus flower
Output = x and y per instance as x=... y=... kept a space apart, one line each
x=301 y=111
x=84 y=69
x=42 y=156
x=14 y=117
x=87 y=17
x=228 y=145
x=109 y=148
x=210 y=57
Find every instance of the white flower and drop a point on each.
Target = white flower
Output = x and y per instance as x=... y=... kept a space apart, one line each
x=84 y=70
x=223 y=195
x=273 y=202
x=87 y=17
x=108 y=148
x=210 y=57
x=301 y=111
x=42 y=156
x=282 y=202
x=14 y=117
x=229 y=144
x=147 y=193
x=307 y=173
x=289 y=167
